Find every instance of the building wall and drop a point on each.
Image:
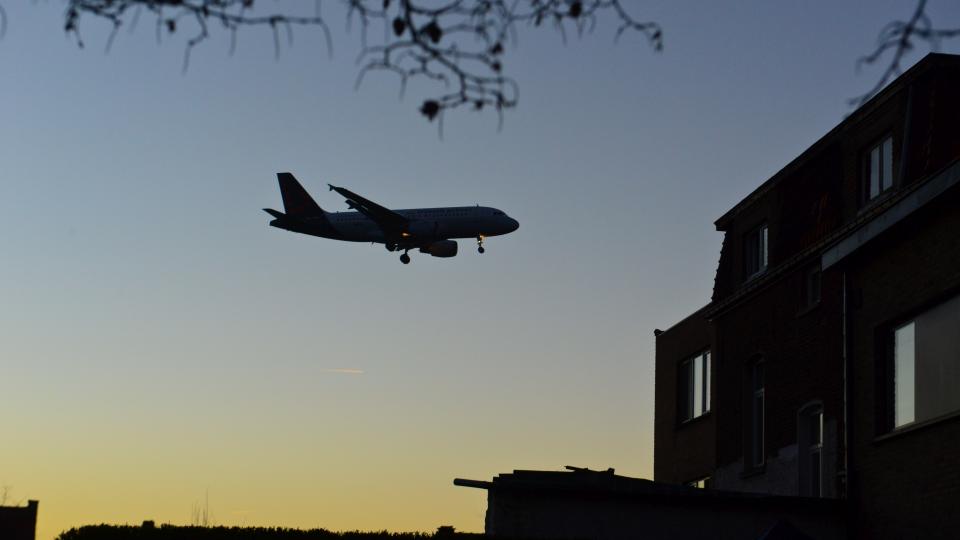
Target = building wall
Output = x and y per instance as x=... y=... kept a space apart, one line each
x=694 y=439
x=18 y=523
x=908 y=481
x=558 y=516
x=801 y=350
x=901 y=484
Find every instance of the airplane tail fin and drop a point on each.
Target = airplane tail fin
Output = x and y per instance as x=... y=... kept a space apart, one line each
x=296 y=201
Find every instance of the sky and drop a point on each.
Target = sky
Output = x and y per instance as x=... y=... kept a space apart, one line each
x=160 y=345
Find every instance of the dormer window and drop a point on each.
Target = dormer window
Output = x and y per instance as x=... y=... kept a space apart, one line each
x=879 y=169
x=755 y=251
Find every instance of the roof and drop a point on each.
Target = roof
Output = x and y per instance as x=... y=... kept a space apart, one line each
x=928 y=62
x=579 y=482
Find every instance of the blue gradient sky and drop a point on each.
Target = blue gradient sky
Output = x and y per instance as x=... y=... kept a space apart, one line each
x=158 y=341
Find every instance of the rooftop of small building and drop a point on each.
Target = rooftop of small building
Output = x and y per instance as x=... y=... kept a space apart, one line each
x=584 y=482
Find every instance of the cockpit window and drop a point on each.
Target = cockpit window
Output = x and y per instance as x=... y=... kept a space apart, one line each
x=498 y=213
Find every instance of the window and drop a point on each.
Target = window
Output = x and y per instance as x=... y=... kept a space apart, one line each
x=925 y=368
x=810 y=443
x=755 y=251
x=879 y=169
x=702 y=483
x=811 y=286
x=695 y=386
x=757 y=396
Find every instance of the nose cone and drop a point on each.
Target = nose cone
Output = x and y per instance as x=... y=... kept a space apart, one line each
x=513 y=224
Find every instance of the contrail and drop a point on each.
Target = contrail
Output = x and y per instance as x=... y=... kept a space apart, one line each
x=345 y=371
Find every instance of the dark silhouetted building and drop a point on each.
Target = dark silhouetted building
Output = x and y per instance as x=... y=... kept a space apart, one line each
x=19 y=522
x=827 y=362
x=601 y=505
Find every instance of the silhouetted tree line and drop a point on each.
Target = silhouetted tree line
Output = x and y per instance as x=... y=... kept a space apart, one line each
x=174 y=532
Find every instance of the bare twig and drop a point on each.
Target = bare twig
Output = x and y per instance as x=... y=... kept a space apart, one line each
x=459 y=44
x=899 y=38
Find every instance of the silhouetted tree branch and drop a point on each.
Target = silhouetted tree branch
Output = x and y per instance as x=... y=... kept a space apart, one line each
x=899 y=38
x=458 y=44
x=231 y=15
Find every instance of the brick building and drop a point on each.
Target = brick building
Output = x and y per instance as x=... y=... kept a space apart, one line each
x=827 y=363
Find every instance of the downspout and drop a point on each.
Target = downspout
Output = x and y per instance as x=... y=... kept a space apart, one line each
x=845 y=335
x=849 y=474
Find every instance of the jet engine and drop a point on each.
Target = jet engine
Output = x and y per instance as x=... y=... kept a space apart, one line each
x=443 y=248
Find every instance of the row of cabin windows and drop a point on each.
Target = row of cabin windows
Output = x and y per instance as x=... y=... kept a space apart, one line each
x=878 y=178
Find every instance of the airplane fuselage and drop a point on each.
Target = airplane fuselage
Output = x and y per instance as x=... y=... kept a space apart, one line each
x=431 y=230
x=425 y=224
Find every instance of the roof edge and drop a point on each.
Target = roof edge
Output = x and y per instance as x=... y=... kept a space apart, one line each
x=922 y=66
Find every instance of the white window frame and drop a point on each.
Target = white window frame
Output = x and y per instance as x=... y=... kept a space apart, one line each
x=695 y=394
x=756 y=262
x=878 y=166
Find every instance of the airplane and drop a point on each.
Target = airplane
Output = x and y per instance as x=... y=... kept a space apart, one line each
x=428 y=229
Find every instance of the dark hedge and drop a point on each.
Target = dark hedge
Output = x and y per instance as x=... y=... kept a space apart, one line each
x=174 y=532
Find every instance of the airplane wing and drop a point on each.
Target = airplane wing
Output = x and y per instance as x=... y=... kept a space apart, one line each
x=392 y=223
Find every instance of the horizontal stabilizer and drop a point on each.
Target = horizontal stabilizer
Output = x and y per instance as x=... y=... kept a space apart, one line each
x=274 y=213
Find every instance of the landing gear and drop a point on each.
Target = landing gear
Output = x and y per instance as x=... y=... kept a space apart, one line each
x=480 y=244
x=405 y=259
x=390 y=247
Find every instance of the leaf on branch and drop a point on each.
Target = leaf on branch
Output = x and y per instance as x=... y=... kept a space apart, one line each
x=576 y=9
x=433 y=31
x=430 y=109
x=399 y=25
